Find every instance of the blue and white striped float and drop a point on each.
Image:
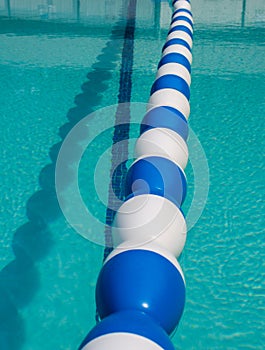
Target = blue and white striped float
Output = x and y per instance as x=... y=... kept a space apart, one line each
x=140 y=292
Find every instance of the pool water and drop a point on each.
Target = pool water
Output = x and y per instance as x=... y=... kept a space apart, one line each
x=56 y=70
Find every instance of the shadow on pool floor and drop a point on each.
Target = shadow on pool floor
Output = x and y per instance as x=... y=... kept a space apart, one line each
x=19 y=280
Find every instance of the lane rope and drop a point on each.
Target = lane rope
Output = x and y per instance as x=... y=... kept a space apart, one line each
x=140 y=291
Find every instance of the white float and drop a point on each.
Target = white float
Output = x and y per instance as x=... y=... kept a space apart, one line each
x=174 y=69
x=182 y=13
x=182 y=4
x=179 y=34
x=181 y=23
x=177 y=48
x=171 y=98
x=162 y=142
x=150 y=218
x=121 y=341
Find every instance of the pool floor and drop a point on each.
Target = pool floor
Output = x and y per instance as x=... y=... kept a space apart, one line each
x=56 y=71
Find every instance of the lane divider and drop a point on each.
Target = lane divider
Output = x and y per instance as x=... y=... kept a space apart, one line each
x=140 y=292
x=122 y=124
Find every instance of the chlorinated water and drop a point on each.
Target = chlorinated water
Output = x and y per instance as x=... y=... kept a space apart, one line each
x=57 y=68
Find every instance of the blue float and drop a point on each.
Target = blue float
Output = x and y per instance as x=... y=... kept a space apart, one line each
x=145 y=281
x=131 y=322
x=182 y=18
x=182 y=10
x=165 y=117
x=171 y=81
x=174 y=1
x=182 y=28
x=176 y=41
x=158 y=176
x=176 y=58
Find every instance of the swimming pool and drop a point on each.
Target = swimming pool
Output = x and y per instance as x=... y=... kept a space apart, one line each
x=48 y=68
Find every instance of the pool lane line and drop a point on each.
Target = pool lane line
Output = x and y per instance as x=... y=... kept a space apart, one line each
x=32 y=241
x=121 y=127
x=243 y=13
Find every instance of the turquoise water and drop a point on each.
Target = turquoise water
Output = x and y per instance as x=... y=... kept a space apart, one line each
x=50 y=304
